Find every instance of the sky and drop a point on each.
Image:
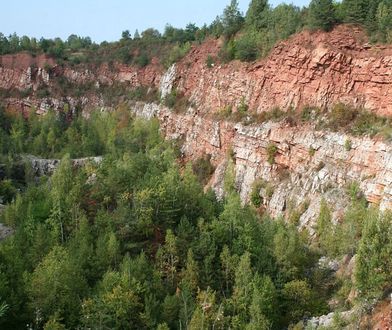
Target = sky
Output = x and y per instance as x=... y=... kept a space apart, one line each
x=106 y=19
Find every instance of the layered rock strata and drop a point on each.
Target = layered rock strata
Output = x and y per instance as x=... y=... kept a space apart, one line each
x=308 y=165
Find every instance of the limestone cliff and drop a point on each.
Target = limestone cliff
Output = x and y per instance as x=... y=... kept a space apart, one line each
x=309 y=164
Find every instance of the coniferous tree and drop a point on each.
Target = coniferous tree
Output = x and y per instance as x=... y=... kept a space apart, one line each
x=356 y=11
x=232 y=19
x=322 y=14
x=256 y=15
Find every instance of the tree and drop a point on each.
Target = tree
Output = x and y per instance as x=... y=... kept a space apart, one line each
x=63 y=200
x=207 y=314
x=325 y=230
x=126 y=35
x=57 y=286
x=384 y=21
x=356 y=11
x=168 y=257
x=297 y=296
x=117 y=308
x=373 y=265
x=257 y=14
x=322 y=15
x=263 y=306
x=246 y=47
x=228 y=264
x=243 y=288
x=232 y=19
x=190 y=273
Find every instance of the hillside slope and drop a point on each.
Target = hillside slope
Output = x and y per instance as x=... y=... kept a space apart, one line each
x=317 y=69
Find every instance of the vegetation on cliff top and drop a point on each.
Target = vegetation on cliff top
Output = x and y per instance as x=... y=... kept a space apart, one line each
x=246 y=37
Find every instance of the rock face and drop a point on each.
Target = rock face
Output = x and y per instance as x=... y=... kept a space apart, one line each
x=309 y=165
x=43 y=166
x=318 y=69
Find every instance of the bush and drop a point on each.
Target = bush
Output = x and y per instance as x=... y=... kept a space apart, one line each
x=227 y=52
x=225 y=112
x=243 y=107
x=348 y=145
x=308 y=113
x=7 y=191
x=246 y=48
x=142 y=60
x=176 y=53
x=43 y=92
x=210 y=61
x=203 y=169
x=272 y=150
x=177 y=101
x=341 y=116
x=255 y=196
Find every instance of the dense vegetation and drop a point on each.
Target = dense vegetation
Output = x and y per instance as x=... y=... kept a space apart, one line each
x=246 y=37
x=135 y=243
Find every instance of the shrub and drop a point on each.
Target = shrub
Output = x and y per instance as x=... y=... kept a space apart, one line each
x=176 y=53
x=246 y=48
x=269 y=190
x=255 y=196
x=243 y=107
x=272 y=150
x=177 y=101
x=348 y=145
x=225 y=112
x=203 y=169
x=210 y=61
x=7 y=191
x=170 y=99
x=227 y=52
x=308 y=113
x=142 y=60
x=341 y=116
x=43 y=92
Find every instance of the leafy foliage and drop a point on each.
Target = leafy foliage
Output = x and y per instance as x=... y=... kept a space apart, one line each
x=135 y=242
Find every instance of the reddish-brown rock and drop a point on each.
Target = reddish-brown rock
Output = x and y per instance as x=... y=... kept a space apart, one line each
x=318 y=69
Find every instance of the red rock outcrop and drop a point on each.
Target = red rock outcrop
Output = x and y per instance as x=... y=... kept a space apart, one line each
x=318 y=69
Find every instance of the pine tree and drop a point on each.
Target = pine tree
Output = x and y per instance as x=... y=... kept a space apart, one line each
x=356 y=11
x=256 y=15
x=322 y=15
x=243 y=288
x=190 y=273
x=232 y=19
x=168 y=257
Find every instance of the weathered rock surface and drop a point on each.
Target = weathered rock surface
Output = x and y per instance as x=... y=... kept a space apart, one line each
x=297 y=175
x=43 y=166
x=318 y=69
x=327 y=321
x=308 y=69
